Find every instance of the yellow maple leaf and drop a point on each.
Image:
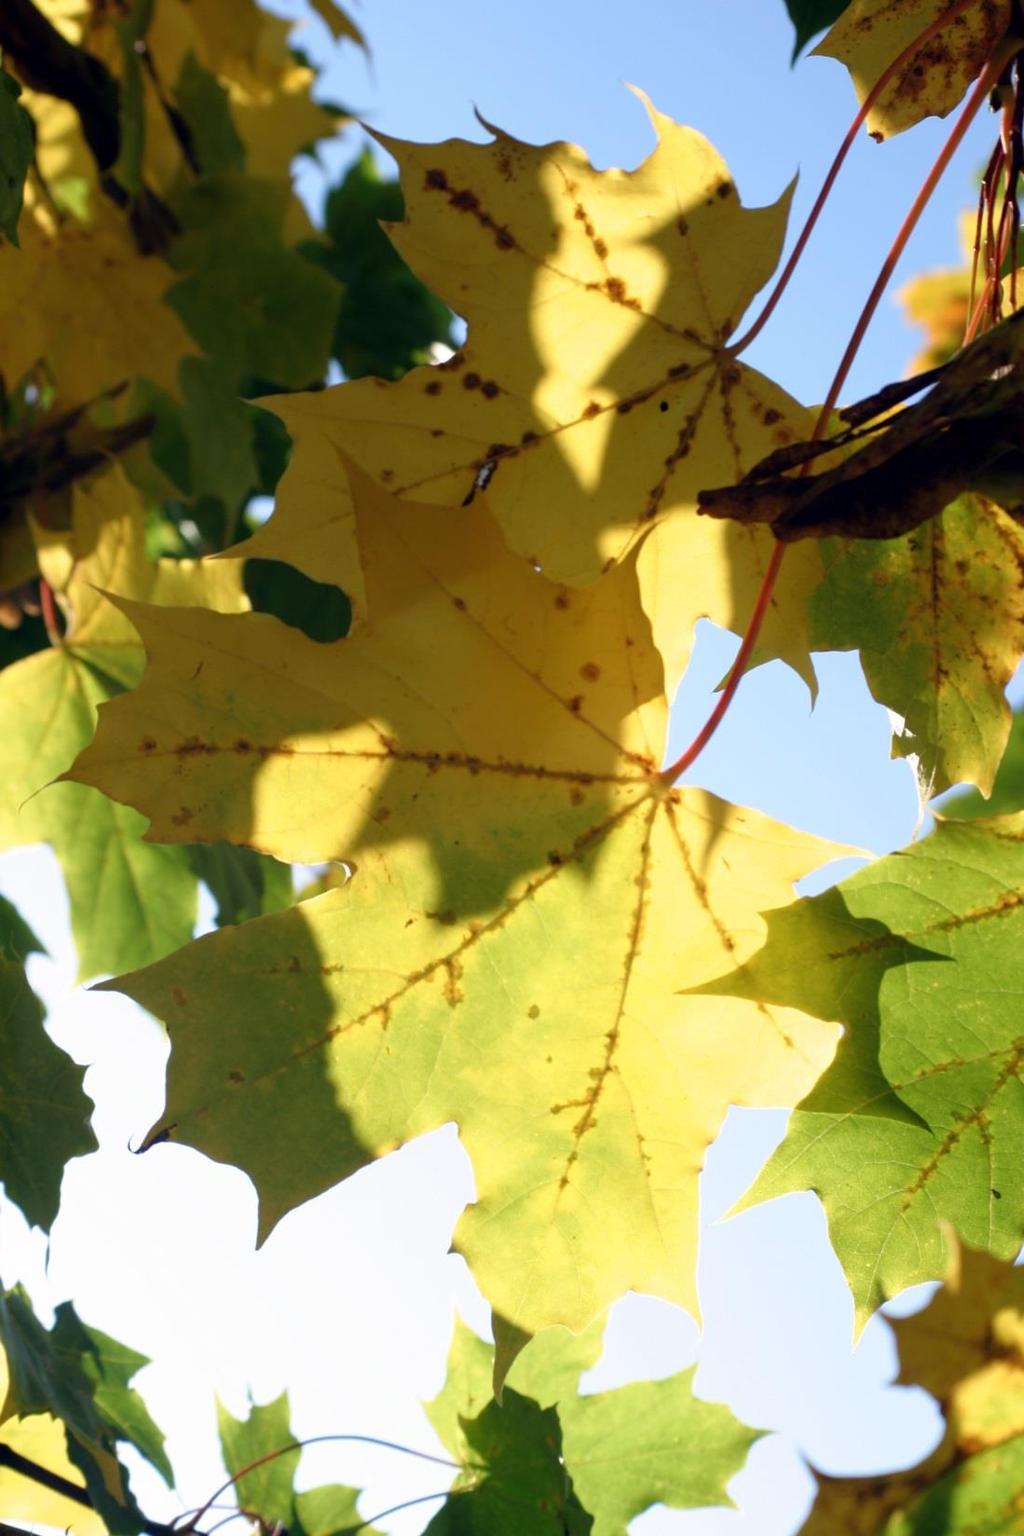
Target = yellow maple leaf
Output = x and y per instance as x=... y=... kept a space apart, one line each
x=530 y=902
x=870 y=34
x=966 y=1348
x=595 y=394
x=83 y=303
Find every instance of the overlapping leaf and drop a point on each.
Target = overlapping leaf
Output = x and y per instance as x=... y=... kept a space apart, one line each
x=596 y=392
x=965 y=1348
x=81 y=301
x=130 y=900
x=919 y=1117
x=529 y=900
x=80 y=1377
x=871 y=34
x=649 y=1443
x=938 y=618
x=40 y=1438
x=15 y=154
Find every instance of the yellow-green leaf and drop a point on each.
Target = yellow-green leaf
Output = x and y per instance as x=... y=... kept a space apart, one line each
x=938 y=618
x=529 y=902
x=130 y=900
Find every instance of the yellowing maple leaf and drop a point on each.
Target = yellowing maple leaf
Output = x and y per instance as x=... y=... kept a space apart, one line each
x=82 y=302
x=870 y=34
x=966 y=1348
x=529 y=903
x=596 y=393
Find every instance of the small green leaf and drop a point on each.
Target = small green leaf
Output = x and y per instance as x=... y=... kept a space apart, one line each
x=109 y=1366
x=205 y=105
x=17 y=941
x=514 y=1479
x=244 y=884
x=44 y=1112
x=17 y=146
x=388 y=320
x=810 y=17
x=266 y=1491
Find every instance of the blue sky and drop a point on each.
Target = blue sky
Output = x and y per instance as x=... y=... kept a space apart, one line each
x=349 y=1302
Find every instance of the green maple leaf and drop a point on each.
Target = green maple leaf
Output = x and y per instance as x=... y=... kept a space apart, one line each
x=510 y=832
x=651 y=1442
x=266 y=1492
x=810 y=17
x=130 y=900
x=919 y=1117
x=44 y=1112
x=938 y=618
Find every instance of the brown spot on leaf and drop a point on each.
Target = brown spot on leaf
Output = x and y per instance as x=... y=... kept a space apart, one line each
x=592 y=408
x=489 y=389
x=147 y=744
x=590 y=671
x=576 y=703
x=471 y=381
x=436 y=181
x=459 y=603
x=433 y=388
x=193 y=747
x=533 y=1012
x=182 y=817
x=235 y=1076
x=562 y=600
x=601 y=248
x=243 y=746
x=466 y=201
x=178 y=996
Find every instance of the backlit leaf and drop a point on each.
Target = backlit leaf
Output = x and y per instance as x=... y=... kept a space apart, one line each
x=870 y=35
x=484 y=750
x=938 y=618
x=266 y=1492
x=44 y=1113
x=647 y=1443
x=918 y=1118
x=129 y=899
x=965 y=1347
x=595 y=379
x=77 y=1377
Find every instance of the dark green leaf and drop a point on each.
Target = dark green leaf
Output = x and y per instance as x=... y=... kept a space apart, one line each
x=109 y=1367
x=44 y=1112
x=515 y=1480
x=319 y=609
x=244 y=884
x=206 y=109
x=810 y=17
x=17 y=146
x=387 y=320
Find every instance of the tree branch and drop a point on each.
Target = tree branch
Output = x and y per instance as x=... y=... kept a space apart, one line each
x=62 y=1485
x=47 y=62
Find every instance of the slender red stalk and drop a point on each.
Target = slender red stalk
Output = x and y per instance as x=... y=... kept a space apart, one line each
x=997 y=63
x=48 y=609
x=298 y=1445
x=912 y=49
